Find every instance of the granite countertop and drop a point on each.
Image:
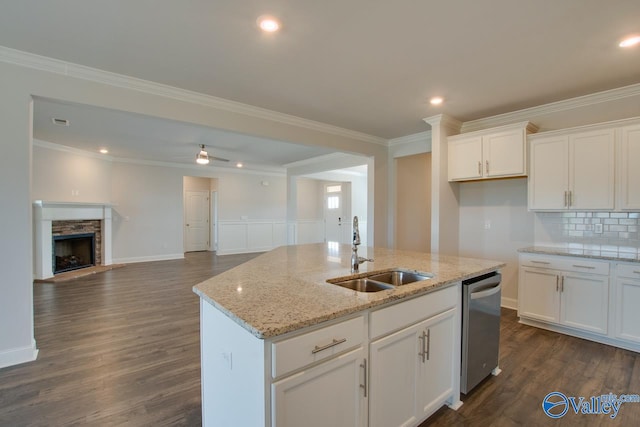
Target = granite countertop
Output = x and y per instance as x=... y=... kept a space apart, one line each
x=609 y=253
x=285 y=290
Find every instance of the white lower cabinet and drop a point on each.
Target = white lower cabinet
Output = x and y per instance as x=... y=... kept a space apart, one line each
x=389 y=366
x=329 y=394
x=628 y=302
x=411 y=372
x=558 y=292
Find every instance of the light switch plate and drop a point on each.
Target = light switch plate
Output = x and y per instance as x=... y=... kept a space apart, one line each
x=597 y=228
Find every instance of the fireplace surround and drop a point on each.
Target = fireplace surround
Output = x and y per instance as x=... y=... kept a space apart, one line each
x=55 y=219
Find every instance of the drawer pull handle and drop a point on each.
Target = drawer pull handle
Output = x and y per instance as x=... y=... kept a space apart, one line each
x=333 y=343
x=636 y=271
x=584 y=266
x=541 y=262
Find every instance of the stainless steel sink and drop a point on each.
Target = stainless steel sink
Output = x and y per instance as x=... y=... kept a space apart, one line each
x=380 y=281
x=363 y=285
x=400 y=277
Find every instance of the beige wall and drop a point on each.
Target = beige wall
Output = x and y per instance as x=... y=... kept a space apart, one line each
x=494 y=224
x=310 y=199
x=413 y=201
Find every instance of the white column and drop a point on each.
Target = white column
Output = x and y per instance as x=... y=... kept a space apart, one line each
x=106 y=236
x=444 y=195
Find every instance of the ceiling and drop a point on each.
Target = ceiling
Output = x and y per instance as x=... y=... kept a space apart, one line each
x=365 y=65
x=139 y=137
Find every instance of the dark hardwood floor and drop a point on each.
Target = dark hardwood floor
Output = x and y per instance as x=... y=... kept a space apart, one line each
x=122 y=348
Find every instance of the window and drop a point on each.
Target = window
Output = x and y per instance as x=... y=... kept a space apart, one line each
x=334 y=188
x=333 y=202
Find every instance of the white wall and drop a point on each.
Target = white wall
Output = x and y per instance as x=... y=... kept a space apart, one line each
x=17 y=342
x=148 y=211
x=502 y=206
x=244 y=195
x=69 y=176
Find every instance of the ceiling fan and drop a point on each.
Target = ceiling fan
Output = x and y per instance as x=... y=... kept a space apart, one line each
x=203 y=158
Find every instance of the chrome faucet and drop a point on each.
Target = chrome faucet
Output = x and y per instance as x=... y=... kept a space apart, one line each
x=355 y=259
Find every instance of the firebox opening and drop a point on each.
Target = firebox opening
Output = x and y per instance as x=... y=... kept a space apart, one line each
x=73 y=251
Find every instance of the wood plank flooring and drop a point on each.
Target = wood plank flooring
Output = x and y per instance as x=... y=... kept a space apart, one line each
x=122 y=348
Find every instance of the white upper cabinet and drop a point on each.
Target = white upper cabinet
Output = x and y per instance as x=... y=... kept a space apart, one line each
x=629 y=168
x=492 y=153
x=572 y=170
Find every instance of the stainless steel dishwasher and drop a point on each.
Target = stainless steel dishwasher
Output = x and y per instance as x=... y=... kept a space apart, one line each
x=480 y=329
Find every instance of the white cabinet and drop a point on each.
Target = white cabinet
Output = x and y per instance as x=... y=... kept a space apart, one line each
x=411 y=372
x=329 y=394
x=393 y=365
x=493 y=153
x=629 y=166
x=412 y=369
x=565 y=291
x=572 y=170
x=628 y=302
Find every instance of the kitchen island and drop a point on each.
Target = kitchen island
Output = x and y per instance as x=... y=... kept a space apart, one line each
x=280 y=345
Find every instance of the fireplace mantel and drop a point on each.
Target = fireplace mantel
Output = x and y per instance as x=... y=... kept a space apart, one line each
x=44 y=213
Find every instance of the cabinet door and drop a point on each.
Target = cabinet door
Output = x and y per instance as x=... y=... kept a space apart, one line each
x=549 y=174
x=627 y=309
x=465 y=158
x=329 y=394
x=591 y=170
x=630 y=168
x=504 y=154
x=538 y=294
x=584 y=301
x=394 y=378
x=435 y=369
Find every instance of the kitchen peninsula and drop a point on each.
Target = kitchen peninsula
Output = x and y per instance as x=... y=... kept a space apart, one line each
x=280 y=345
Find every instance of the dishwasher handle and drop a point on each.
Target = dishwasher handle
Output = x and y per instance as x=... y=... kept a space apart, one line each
x=486 y=292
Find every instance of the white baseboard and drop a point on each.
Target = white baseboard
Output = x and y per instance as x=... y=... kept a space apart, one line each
x=17 y=356
x=511 y=303
x=243 y=251
x=132 y=260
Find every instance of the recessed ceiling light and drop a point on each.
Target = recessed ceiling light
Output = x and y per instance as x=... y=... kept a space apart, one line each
x=268 y=24
x=104 y=151
x=436 y=100
x=630 y=41
x=239 y=165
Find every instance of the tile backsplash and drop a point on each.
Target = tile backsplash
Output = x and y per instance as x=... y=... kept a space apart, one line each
x=578 y=229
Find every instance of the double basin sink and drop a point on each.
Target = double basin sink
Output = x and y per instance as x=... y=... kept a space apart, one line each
x=380 y=281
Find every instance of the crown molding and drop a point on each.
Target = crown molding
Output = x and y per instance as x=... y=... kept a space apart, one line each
x=409 y=139
x=43 y=63
x=528 y=114
x=71 y=150
x=445 y=121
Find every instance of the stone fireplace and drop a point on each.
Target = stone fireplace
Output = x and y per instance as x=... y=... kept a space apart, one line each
x=70 y=236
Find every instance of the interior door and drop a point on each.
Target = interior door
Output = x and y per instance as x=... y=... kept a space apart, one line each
x=196 y=226
x=333 y=214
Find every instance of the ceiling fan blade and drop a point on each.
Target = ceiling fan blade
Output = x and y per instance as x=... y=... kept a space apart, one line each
x=220 y=159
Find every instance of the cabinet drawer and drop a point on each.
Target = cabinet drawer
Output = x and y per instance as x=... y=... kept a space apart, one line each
x=541 y=261
x=387 y=320
x=578 y=265
x=629 y=270
x=302 y=350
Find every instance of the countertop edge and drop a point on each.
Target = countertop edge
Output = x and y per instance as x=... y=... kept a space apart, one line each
x=392 y=298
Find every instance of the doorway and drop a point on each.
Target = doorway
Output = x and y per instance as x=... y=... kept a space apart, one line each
x=200 y=212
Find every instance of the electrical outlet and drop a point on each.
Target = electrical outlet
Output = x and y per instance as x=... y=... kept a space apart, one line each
x=487 y=224
x=597 y=228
